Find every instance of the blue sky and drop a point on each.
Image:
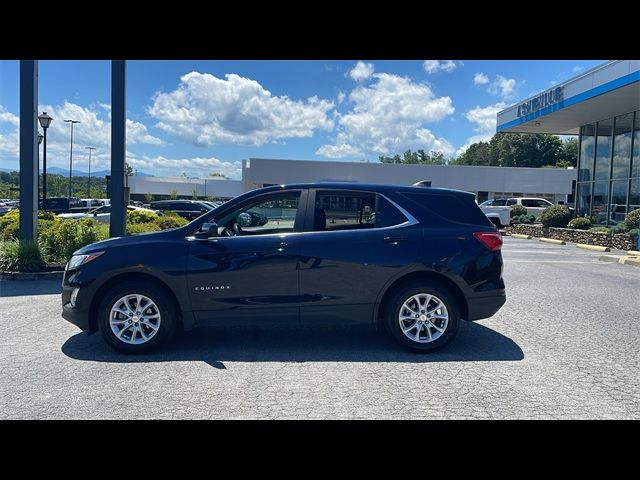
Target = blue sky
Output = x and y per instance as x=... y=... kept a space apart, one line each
x=200 y=117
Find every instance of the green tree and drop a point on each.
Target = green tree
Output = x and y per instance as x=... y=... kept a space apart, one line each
x=148 y=197
x=217 y=174
x=194 y=194
x=569 y=154
x=173 y=195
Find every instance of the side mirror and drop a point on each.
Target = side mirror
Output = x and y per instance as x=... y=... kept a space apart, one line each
x=244 y=220
x=207 y=230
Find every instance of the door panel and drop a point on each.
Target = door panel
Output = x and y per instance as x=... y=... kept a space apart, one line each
x=235 y=276
x=252 y=275
x=348 y=268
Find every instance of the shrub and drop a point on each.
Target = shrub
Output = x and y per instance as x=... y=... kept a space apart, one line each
x=135 y=228
x=10 y=223
x=580 y=223
x=617 y=229
x=523 y=219
x=16 y=256
x=63 y=237
x=141 y=216
x=519 y=210
x=555 y=216
x=165 y=222
x=599 y=229
x=632 y=220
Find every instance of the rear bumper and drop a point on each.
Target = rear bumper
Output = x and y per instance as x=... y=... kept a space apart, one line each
x=485 y=306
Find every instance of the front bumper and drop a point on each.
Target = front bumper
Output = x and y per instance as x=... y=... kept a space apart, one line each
x=485 y=306
x=77 y=314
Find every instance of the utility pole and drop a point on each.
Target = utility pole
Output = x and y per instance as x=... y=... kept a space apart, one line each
x=89 y=188
x=71 y=154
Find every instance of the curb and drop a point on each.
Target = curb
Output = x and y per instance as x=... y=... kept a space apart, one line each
x=634 y=261
x=610 y=258
x=633 y=253
x=552 y=240
x=596 y=248
x=519 y=235
x=31 y=276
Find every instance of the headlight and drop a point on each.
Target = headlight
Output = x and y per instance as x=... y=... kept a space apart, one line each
x=78 y=260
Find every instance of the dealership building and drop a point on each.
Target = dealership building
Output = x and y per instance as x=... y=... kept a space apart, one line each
x=602 y=106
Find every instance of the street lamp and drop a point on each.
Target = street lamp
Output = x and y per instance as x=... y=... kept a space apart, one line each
x=45 y=121
x=40 y=137
x=90 y=149
x=71 y=154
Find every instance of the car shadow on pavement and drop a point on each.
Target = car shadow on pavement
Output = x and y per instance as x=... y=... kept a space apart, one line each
x=217 y=345
x=14 y=288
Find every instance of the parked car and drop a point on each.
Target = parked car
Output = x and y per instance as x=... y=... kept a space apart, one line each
x=189 y=209
x=429 y=259
x=101 y=214
x=497 y=212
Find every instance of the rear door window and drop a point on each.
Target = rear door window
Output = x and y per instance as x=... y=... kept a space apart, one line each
x=500 y=202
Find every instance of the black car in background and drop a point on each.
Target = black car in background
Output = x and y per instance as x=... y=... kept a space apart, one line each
x=411 y=260
x=189 y=209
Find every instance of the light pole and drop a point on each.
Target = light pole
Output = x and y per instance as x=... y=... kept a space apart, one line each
x=45 y=121
x=71 y=154
x=40 y=137
x=89 y=191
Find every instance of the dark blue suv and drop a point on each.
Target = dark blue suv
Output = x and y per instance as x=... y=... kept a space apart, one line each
x=414 y=260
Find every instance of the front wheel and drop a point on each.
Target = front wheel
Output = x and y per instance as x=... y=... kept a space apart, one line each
x=135 y=317
x=422 y=317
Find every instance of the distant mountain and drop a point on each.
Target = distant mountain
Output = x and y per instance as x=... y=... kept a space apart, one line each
x=76 y=173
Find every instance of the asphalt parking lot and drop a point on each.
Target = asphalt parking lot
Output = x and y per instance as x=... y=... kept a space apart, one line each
x=565 y=345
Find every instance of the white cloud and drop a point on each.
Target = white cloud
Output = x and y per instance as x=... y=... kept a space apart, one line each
x=503 y=87
x=341 y=97
x=195 y=167
x=433 y=66
x=485 y=119
x=577 y=68
x=361 y=71
x=207 y=110
x=93 y=130
x=387 y=118
x=480 y=79
x=8 y=117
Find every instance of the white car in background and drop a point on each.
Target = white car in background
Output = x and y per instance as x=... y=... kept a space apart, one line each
x=534 y=206
x=101 y=214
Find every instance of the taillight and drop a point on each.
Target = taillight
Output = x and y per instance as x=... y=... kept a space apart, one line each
x=491 y=240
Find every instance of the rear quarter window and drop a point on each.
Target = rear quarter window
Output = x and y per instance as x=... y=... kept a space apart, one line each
x=452 y=207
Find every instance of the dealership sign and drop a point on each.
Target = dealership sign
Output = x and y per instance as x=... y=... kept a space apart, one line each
x=543 y=100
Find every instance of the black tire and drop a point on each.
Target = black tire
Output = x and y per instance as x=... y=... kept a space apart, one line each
x=405 y=291
x=166 y=308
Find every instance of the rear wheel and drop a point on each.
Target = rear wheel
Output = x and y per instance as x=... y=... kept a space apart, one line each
x=136 y=317
x=422 y=317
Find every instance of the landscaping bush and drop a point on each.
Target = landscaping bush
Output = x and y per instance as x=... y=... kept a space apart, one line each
x=599 y=229
x=135 y=228
x=166 y=222
x=16 y=256
x=526 y=219
x=580 y=223
x=632 y=220
x=519 y=210
x=10 y=223
x=617 y=229
x=65 y=236
x=141 y=216
x=555 y=216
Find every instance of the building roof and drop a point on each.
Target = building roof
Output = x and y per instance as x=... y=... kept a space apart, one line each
x=605 y=91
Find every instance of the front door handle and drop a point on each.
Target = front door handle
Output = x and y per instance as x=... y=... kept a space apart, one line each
x=395 y=240
x=282 y=245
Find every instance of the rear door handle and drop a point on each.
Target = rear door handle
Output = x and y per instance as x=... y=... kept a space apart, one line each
x=394 y=240
x=282 y=245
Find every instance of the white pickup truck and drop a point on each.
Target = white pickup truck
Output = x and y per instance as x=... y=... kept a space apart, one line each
x=500 y=215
